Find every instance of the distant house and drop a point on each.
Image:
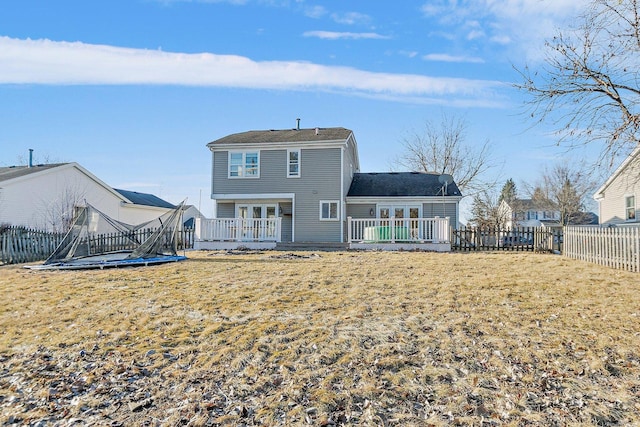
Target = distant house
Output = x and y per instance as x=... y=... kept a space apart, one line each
x=618 y=197
x=45 y=197
x=305 y=185
x=526 y=213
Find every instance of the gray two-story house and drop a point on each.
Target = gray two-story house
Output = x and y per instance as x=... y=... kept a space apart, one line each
x=305 y=185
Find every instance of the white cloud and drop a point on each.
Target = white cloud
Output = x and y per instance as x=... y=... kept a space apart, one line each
x=315 y=12
x=445 y=57
x=521 y=24
x=351 y=18
x=333 y=35
x=63 y=63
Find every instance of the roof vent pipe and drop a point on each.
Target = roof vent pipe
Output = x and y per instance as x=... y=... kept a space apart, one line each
x=297 y=124
x=30 y=157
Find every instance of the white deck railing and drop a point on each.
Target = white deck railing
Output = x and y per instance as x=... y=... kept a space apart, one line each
x=238 y=229
x=417 y=230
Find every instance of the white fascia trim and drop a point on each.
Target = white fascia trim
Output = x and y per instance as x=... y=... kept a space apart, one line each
x=144 y=207
x=278 y=145
x=420 y=199
x=257 y=196
x=598 y=195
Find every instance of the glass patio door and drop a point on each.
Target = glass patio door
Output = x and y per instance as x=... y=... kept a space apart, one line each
x=256 y=229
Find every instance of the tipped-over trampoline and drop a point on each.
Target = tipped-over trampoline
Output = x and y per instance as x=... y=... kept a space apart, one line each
x=96 y=240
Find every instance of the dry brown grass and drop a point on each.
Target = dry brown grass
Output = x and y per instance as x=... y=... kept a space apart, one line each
x=353 y=338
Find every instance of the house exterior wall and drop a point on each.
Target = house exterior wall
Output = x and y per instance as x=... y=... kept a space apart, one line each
x=429 y=209
x=447 y=209
x=612 y=201
x=38 y=200
x=320 y=173
x=361 y=210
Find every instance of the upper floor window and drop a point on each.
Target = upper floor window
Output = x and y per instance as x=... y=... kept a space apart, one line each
x=630 y=206
x=244 y=164
x=293 y=163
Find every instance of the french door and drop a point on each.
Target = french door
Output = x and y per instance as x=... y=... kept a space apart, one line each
x=406 y=219
x=253 y=214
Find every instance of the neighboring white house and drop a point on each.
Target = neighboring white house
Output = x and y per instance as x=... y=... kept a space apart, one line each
x=618 y=197
x=45 y=196
x=525 y=213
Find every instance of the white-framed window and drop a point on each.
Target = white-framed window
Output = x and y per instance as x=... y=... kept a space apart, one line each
x=329 y=210
x=293 y=163
x=244 y=164
x=630 y=208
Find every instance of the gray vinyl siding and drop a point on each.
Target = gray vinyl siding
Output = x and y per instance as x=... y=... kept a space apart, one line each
x=319 y=180
x=429 y=210
x=361 y=211
x=432 y=210
x=226 y=210
x=286 y=216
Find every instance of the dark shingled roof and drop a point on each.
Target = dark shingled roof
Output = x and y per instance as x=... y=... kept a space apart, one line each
x=145 y=199
x=398 y=184
x=11 y=172
x=286 y=135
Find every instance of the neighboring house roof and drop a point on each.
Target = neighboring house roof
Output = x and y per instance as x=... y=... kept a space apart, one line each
x=287 y=135
x=524 y=205
x=145 y=199
x=599 y=194
x=11 y=172
x=399 y=184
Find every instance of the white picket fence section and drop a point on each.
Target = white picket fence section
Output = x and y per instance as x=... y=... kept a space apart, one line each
x=392 y=230
x=616 y=247
x=238 y=229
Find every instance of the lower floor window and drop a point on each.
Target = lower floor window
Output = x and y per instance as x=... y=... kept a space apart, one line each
x=329 y=210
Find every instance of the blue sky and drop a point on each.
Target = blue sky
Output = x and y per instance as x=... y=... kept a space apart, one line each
x=134 y=89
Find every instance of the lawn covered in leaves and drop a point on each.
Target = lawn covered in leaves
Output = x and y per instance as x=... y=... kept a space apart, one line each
x=329 y=338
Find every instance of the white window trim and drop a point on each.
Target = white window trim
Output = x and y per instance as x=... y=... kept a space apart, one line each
x=337 y=202
x=244 y=164
x=289 y=163
x=626 y=216
x=392 y=208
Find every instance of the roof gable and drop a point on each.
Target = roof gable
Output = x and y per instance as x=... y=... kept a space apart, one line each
x=399 y=184
x=619 y=171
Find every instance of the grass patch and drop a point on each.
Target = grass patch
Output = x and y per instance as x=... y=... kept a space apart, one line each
x=346 y=338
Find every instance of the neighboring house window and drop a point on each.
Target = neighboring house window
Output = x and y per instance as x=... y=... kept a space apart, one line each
x=244 y=164
x=630 y=203
x=293 y=163
x=329 y=211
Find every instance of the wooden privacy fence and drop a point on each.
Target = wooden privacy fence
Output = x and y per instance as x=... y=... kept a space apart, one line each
x=506 y=239
x=616 y=247
x=18 y=244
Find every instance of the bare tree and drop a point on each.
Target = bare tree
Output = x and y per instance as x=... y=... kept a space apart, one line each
x=486 y=211
x=58 y=214
x=442 y=149
x=589 y=88
x=565 y=189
